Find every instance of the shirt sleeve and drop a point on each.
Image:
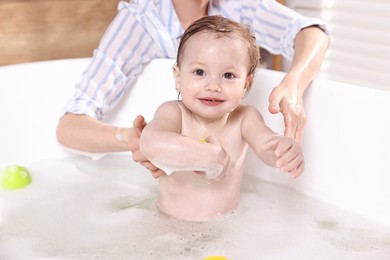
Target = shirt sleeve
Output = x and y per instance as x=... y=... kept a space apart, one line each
x=120 y=57
x=276 y=26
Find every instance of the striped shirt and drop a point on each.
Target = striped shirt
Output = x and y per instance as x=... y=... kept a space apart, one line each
x=144 y=30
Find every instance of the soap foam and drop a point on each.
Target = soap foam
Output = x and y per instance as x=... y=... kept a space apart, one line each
x=105 y=209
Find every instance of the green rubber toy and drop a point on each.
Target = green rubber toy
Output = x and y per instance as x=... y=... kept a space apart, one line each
x=14 y=177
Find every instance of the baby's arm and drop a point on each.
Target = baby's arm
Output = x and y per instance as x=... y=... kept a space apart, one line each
x=164 y=145
x=275 y=150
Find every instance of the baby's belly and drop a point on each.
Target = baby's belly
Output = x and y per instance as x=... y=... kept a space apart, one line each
x=187 y=195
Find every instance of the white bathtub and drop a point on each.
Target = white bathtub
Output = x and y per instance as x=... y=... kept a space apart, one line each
x=346 y=146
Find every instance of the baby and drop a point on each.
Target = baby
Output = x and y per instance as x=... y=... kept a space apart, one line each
x=201 y=141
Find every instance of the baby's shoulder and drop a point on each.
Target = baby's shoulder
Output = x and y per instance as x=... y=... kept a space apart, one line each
x=170 y=107
x=246 y=113
x=245 y=110
x=170 y=104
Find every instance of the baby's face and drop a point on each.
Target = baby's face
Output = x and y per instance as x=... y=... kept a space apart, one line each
x=213 y=75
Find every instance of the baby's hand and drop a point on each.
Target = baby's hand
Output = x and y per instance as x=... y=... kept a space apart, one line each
x=289 y=156
x=138 y=126
x=218 y=170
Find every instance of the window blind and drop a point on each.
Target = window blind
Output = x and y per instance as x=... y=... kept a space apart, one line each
x=360 y=49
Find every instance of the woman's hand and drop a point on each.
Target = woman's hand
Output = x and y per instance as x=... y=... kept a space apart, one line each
x=310 y=46
x=138 y=126
x=287 y=99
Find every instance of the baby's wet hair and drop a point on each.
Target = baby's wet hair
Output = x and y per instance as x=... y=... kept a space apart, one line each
x=223 y=27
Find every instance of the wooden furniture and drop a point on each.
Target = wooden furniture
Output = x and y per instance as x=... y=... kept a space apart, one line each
x=35 y=30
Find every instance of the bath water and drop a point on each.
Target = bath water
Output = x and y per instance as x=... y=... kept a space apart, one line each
x=78 y=208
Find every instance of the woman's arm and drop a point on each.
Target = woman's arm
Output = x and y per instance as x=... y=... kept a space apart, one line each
x=115 y=65
x=310 y=46
x=84 y=133
x=304 y=41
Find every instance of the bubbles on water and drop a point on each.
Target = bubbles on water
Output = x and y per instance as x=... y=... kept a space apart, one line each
x=105 y=209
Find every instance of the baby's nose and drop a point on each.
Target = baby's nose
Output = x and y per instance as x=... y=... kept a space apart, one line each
x=214 y=86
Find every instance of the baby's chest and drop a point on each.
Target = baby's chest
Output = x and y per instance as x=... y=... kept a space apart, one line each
x=229 y=138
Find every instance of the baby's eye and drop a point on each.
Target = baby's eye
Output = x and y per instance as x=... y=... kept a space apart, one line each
x=229 y=75
x=199 y=72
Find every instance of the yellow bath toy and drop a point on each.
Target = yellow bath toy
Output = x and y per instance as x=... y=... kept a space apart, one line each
x=14 y=177
x=215 y=257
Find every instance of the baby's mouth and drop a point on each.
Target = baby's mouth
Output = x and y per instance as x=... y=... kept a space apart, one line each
x=211 y=101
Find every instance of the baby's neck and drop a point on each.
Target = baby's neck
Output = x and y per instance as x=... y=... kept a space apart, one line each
x=207 y=127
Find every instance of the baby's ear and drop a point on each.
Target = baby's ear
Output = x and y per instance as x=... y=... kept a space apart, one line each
x=176 y=76
x=248 y=83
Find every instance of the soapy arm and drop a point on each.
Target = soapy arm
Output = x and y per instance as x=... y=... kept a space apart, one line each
x=164 y=145
x=274 y=149
x=310 y=46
